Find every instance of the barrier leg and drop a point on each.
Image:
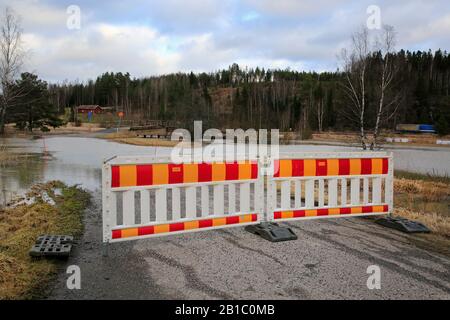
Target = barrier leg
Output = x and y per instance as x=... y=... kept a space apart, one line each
x=105 y=249
x=268 y=230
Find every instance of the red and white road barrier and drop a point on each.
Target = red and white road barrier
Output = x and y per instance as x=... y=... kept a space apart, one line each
x=148 y=196
x=151 y=196
x=332 y=185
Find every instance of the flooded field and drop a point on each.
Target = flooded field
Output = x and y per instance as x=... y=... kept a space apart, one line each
x=77 y=160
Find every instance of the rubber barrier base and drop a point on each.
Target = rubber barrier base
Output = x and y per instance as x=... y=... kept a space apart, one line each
x=52 y=246
x=272 y=232
x=403 y=224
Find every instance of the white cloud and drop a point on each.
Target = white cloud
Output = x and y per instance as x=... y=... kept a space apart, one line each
x=182 y=17
x=162 y=36
x=295 y=8
x=99 y=48
x=438 y=30
x=37 y=15
x=250 y=16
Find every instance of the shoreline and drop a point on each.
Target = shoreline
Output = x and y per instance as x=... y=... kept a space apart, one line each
x=423 y=147
x=342 y=138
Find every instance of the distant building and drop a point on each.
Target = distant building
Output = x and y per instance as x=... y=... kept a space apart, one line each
x=89 y=108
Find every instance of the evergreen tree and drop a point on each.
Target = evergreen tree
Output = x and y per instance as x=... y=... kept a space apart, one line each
x=33 y=109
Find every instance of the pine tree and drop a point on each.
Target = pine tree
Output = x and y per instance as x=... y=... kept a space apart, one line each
x=32 y=109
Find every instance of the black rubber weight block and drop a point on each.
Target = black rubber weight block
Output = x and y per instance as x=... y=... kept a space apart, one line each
x=54 y=239
x=272 y=232
x=403 y=225
x=47 y=250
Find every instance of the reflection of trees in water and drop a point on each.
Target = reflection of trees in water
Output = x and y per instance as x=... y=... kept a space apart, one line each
x=17 y=177
x=89 y=177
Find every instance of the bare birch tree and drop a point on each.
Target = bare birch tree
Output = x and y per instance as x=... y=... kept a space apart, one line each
x=319 y=109
x=320 y=114
x=355 y=65
x=11 y=59
x=388 y=71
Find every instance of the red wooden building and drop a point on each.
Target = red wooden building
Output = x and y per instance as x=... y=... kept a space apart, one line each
x=88 y=108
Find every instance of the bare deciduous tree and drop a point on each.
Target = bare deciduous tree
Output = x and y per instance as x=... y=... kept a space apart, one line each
x=357 y=71
x=388 y=70
x=320 y=114
x=11 y=58
x=319 y=107
x=355 y=64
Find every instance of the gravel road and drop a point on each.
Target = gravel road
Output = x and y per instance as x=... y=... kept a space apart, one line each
x=328 y=261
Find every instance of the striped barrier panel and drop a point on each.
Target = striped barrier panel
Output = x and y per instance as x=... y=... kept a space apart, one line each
x=330 y=185
x=150 y=196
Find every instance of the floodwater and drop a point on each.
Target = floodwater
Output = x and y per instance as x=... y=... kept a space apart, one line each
x=74 y=160
x=77 y=160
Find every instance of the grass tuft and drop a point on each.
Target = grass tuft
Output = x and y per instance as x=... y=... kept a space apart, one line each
x=429 y=191
x=21 y=276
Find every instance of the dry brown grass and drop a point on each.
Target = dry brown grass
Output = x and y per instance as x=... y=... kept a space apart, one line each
x=71 y=128
x=21 y=276
x=351 y=137
x=130 y=138
x=428 y=190
x=426 y=200
x=146 y=142
x=417 y=139
x=437 y=223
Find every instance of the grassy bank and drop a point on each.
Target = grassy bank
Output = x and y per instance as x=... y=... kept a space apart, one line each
x=420 y=139
x=131 y=138
x=22 y=277
x=425 y=198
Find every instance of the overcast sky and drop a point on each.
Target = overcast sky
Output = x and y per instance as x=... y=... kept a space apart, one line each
x=150 y=37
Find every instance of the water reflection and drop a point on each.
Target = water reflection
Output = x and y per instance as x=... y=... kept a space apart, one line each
x=75 y=160
x=18 y=176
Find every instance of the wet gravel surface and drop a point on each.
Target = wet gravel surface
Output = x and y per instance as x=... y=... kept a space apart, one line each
x=328 y=261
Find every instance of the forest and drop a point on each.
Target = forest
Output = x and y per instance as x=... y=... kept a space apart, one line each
x=259 y=98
